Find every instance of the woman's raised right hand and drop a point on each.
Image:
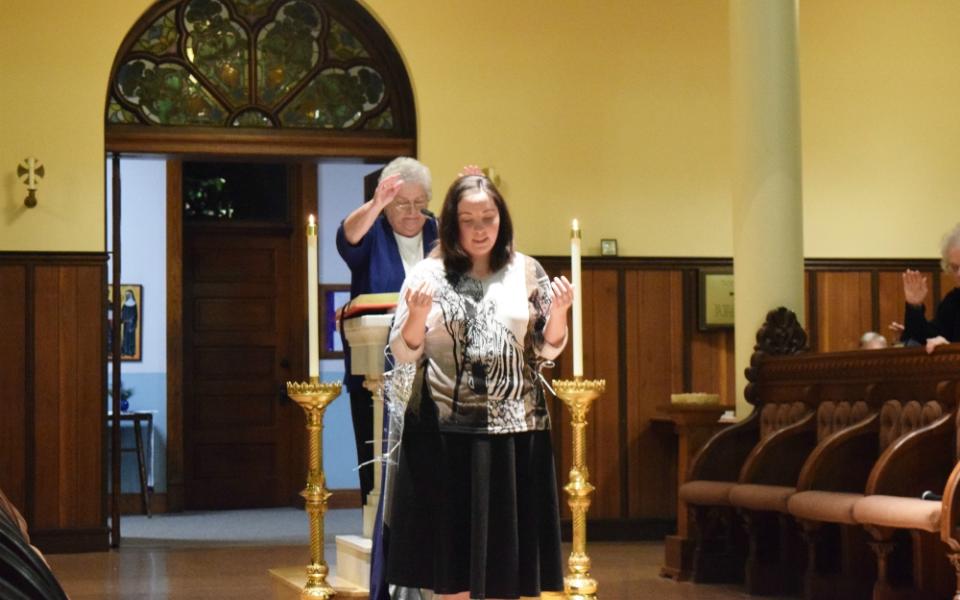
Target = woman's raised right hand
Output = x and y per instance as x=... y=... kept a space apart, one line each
x=387 y=191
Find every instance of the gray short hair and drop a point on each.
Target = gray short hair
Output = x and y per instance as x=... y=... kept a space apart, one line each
x=950 y=241
x=411 y=170
x=872 y=339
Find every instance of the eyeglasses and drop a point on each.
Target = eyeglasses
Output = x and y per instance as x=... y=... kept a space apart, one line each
x=408 y=206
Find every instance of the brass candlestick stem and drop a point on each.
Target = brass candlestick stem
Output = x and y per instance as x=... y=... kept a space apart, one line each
x=313 y=398
x=578 y=395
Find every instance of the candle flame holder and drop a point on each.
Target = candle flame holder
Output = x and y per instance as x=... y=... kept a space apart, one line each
x=578 y=395
x=313 y=398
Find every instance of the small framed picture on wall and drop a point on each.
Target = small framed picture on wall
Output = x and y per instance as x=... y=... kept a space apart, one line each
x=608 y=247
x=130 y=314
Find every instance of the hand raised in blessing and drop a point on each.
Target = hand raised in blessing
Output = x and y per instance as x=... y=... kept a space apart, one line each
x=387 y=191
x=562 y=291
x=914 y=287
x=470 y=170
x=419 y=300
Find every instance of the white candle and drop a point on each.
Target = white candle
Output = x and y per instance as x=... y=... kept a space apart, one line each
x=575 y=236
x=313 y=309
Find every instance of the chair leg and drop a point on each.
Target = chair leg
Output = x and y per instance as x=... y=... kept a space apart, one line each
x=141 y=465
x=819 y=583
x=955 y=561
x=762 y=571
x=857 y=574
x=792 y=555
x=720 y=551
x=882 y=546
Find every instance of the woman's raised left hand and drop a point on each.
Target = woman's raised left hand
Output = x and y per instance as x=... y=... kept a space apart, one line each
x=563 y=292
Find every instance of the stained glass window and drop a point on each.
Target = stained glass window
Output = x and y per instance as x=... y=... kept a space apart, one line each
x=258 y=63
x=287 y=49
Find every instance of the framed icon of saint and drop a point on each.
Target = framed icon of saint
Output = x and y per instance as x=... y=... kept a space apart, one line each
x=130 y=315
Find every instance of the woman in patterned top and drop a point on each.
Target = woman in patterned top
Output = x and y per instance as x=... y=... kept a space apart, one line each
x=474 y=509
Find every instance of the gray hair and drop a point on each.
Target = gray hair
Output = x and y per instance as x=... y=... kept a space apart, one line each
x=870 y=338
x=950 y=241
x=411 y=170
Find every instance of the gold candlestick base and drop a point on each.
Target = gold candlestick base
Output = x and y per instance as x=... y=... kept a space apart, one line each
x=313 y=398
x=578 y=395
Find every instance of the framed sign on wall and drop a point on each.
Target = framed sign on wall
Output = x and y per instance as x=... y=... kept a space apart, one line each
x=716 y=298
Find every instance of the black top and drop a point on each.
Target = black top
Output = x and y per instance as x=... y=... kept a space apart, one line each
x=946 y=322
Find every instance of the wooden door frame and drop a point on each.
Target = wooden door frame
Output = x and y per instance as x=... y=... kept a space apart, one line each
x=303 y=184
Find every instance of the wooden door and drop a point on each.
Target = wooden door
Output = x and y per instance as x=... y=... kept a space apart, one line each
x=237 y=348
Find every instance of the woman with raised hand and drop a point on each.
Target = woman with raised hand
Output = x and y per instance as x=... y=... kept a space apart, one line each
x=945 y=326
x=474 y=508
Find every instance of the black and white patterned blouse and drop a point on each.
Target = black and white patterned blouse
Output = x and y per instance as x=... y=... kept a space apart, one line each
x=483 y=342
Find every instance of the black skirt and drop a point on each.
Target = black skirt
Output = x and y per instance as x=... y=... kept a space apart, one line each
x=476 y=512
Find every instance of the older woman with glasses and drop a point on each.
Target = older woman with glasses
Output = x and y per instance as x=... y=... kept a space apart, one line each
x=380 y=241
x=945 y=326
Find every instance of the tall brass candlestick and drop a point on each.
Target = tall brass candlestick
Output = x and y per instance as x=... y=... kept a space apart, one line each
x=578 y=395
x=313 y=398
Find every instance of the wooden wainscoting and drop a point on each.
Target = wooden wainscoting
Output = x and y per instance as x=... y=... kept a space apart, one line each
x=641 y=335
x=846 y=298
x=53 y=389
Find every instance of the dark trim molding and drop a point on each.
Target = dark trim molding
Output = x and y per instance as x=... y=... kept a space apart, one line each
x=63 y=541
x=862 y=264
x=116 y=205
x=30 y=394
x=695 y=262
x=689 y=309
x=609 y=530
x=53 y=258
x=622 y=397
x=289 y=144
x=813 y=339
x=635 y=262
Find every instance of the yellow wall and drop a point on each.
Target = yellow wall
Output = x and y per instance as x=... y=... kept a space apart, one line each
x=881 y=126
x=616 y=112
x=55 y=60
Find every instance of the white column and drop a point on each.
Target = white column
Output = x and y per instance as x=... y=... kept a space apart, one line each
x=767 y=193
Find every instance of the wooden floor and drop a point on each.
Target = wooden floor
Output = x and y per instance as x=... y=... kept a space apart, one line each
x=623 y=571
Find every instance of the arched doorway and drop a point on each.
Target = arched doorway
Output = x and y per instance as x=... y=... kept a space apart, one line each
x=282 y=81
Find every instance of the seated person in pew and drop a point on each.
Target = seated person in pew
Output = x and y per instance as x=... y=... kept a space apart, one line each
x=872 y=340
x=945 y=326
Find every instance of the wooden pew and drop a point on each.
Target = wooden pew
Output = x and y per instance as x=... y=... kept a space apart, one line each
x=916 y=398
x=716 y=549
x=905 y=529
x=768 y=479
x=878 y=414
x=950 y=516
